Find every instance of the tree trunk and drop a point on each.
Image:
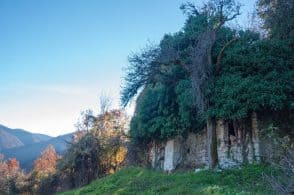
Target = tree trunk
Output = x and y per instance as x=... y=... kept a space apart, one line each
x=201 y=72
x=212 y=143
x=201 y=67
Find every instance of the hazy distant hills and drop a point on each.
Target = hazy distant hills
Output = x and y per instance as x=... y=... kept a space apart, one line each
x=10 y=138
x=26 y=146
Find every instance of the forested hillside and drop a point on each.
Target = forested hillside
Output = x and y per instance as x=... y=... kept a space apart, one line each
x=27 y=154
x=10 y=138
x=26 y=147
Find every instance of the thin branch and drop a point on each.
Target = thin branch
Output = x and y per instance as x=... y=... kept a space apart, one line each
x=220 y=55
x=233 y=16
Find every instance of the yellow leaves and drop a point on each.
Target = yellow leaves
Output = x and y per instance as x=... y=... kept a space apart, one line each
x=121 y=155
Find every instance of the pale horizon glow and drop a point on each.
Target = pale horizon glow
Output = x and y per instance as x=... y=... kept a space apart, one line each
x=58 y=57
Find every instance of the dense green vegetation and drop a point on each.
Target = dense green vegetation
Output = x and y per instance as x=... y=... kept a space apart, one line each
x=248 y=73
x=204 y=72
x=207 y=71
x=95 y=151
x=132 y=180
x=256 y=75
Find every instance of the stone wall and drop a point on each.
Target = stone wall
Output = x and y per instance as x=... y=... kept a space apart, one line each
x=180 y=152
x=195 y=154
x=156 y=155
x=173 y=153
x=237 y=143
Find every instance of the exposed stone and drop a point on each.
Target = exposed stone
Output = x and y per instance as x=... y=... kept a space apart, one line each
x=168 y=156
x=195 y=150
x=157 y=155
x=228 y=163
x=237 y=143
x=255 y=137
x=173 y=153
x=201 y=169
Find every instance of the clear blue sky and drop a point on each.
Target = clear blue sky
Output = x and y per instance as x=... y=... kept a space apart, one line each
x=57 y=56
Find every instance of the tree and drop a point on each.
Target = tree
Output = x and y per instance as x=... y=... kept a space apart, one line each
x=157 y=72
x=105 y=103
x=86 y=121
x=164 y=110
x=13 y=166
x=46 y=163
x=12 y=179
x=207 y=71
x=4 y=184
x=280 y=154
x=278 y=17
x=216 y=13
x=140 y=72
x=261 y=73
x=155 y=116
x=111 y=122
x=80 y=163
x=45 y=167
x=97 y=152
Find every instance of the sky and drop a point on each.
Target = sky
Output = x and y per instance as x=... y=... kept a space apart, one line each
x=58 y=56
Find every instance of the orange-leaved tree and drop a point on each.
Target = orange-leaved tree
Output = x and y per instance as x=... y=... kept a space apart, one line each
x=46 y=163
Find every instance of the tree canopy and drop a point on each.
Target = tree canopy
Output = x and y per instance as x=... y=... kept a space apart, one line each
x=247 y=74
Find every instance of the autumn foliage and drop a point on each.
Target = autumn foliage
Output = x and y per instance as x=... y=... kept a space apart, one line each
x=95 y=151
x=47 y=162
x=10 y=173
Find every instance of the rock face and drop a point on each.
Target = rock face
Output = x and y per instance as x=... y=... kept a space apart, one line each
x=195 y=154
x=156 y=155
x=237 y=143
x=173 y=153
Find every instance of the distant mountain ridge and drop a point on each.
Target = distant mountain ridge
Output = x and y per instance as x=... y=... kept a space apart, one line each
x=11 y=138
x=26 y=147
x=9 y=141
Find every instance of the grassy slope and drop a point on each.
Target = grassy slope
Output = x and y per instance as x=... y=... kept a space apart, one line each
x=132 y=180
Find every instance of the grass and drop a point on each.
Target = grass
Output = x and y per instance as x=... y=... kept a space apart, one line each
x=134 y=180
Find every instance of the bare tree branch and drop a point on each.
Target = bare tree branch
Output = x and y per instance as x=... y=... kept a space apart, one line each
x=189 y=9
x=105 y=102
x=220 y=55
